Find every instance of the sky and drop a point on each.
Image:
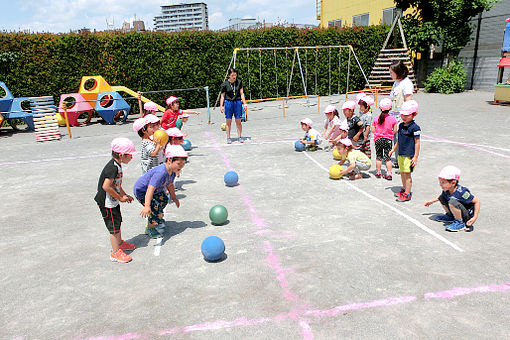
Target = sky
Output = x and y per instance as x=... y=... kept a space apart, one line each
x=63 y=15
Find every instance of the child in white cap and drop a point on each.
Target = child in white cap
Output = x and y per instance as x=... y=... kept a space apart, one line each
x=173 y=112
x=358 y=161
x=408 y=145
x=152 y=187
x=365 y=104
x=384 y=128
x=355 y=133
x=460 y=206
x=151 y=150
x=332 y=125
x=312 y=138
x=110 y=194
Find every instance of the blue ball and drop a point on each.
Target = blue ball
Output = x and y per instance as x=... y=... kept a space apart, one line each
x=213 y=248
x=186 y=145
x=299 y=146
x=231 y=178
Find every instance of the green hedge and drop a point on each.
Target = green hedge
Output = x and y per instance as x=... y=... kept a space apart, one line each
x=50 y=64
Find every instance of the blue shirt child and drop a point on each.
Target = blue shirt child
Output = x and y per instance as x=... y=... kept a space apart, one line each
x=406 y=135
x=158 y=177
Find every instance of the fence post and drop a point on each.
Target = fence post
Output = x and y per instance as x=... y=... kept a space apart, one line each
x=208 y=107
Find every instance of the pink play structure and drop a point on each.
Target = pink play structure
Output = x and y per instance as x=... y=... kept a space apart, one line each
x=76 y=105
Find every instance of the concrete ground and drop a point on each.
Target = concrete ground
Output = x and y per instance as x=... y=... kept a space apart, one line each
x=307 y=257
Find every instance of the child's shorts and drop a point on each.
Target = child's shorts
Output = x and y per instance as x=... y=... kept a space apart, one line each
x=382 y=149
x=112 y=218
x=404 y=163
x=233 y=108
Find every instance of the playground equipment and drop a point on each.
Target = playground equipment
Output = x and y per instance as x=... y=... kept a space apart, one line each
x=76 y=105
x=292 y=60
x=11 y=109
x=502 y=90
x=45 y=120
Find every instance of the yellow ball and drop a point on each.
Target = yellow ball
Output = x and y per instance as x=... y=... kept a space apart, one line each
x=335 y=171
x=223 y=126
x=61 y=120
x=161 y=136
x=336 y=154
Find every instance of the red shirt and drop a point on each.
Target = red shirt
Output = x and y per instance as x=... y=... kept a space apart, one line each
x=169 y=118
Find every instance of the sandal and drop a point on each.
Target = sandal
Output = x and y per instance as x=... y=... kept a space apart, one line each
x=388 y=177
x=378 y=174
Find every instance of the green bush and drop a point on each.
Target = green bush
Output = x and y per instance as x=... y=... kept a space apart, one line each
x=449 y=79
x=52 y=64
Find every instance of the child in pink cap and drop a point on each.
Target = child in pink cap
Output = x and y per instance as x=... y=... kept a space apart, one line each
x=408 y=145
x=355 y=133
x=110 y=194
x=460 y=206
x=384 y=128
x=365 y=108
x=332 y=125
x=151 y=153
x=312 y=137
x=173 y=112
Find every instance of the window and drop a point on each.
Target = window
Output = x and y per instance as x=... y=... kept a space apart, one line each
x=360 y=20
x=335 y=23
x=389 y=14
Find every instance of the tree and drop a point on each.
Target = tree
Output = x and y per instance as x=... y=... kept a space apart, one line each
x=444 y=22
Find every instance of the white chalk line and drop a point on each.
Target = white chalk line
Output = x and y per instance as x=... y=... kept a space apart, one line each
x=469 y=144
x=157 y=246
x=401 y=213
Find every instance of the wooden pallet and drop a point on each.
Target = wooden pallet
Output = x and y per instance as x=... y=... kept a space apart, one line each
x=45 y=119
x=380 y=75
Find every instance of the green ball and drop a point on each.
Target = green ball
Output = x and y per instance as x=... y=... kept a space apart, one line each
x=178 y=123
x=218 y=214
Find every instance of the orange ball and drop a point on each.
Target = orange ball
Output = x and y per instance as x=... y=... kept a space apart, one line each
x=161 y=136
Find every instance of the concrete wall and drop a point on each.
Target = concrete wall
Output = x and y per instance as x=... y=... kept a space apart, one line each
x=489 y=47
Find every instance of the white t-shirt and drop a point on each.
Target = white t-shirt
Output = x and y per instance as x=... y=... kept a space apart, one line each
x=313 y=135
x=398 y=92
x=336 y=123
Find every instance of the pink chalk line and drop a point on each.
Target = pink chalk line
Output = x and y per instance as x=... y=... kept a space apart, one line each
x=55 y=159
x=272 y=259
x=467 y=146
x=317 y=314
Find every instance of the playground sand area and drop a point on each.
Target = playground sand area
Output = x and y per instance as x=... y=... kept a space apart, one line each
x=306 y=256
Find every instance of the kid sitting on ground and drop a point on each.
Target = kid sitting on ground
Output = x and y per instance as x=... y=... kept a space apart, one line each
x=408 y=145
x=365 y=104
x=110 y=193
x=152 y=150
x=460 y=206
x=150 y=189
x=355 y=133
x=312 y=138
x=358 y=161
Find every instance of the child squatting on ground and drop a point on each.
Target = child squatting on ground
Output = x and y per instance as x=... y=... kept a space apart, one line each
x=460 y=206
x=151 y=150
x=358 y=161
x=150 y=188
x=384 y=128
x=408 y=145
x=312 y=138
x=110 y=193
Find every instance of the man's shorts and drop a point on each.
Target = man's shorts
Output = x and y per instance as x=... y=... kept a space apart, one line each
x=112 y=218
x=404 y=163
x=233 y=108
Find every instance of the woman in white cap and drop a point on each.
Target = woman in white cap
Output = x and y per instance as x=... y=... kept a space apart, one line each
x=232 y=93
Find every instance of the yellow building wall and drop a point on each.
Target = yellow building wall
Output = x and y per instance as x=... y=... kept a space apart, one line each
x=345 y=9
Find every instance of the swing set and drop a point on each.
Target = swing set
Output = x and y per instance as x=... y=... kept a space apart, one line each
x=302 y=67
